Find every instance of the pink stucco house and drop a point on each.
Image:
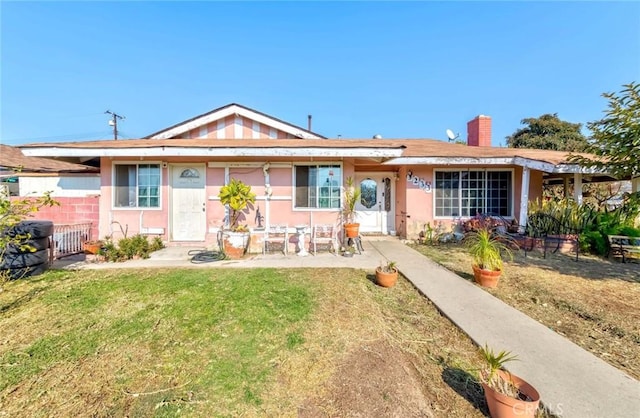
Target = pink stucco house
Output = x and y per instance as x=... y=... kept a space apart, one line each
x=167 y=183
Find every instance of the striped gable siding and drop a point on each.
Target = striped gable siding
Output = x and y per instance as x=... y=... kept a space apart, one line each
x=233 y=127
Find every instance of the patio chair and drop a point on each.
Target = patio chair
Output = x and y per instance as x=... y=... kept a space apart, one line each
x=276 y=234
x=324 y=234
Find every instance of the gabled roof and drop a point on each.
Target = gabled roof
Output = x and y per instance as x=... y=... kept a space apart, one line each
x=231 y=109
x=12 y=158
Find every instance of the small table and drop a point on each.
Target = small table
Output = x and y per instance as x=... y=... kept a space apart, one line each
x=300 y=231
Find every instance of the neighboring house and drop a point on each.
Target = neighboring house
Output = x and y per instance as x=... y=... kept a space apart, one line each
x=75 y=186
x=33 y=175
x=167 y=183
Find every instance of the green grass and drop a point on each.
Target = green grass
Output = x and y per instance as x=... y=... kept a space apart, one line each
x=204 y=331
x=225 y=343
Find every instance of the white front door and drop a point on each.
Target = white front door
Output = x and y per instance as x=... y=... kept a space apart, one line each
x=376 y=208
x=188 y=202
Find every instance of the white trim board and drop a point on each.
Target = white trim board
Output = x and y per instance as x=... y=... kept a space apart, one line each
x=212 y=152
x=484 y=161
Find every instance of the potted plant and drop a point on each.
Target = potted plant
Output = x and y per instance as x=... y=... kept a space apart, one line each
x=351 y=198
x=487 y=251
x=239 y=198
x=506 y=394
x=92 y=247
x=387 y=274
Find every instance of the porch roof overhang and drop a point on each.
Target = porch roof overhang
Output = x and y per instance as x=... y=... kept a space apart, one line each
x=544 y=166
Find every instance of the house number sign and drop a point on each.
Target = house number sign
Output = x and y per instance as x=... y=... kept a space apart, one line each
x=424 y=185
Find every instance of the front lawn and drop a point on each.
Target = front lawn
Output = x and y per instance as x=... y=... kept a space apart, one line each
x=593 y=302
x=198 y=342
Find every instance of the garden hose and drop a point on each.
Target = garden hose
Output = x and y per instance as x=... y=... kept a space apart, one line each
x=205 y=256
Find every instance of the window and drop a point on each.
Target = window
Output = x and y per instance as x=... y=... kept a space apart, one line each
x=137 y=185
x=368 y=193
x=318 y=186
x=467 y=193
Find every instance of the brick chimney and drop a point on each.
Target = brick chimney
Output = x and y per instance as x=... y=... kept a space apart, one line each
x=479 y=131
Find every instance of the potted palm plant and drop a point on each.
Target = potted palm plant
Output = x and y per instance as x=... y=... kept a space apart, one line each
x=387 y=274
x=351 y=198
x=239 y=198
x=487 y=252
x=506 y=394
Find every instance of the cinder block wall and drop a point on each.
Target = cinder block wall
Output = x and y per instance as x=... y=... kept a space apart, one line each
x=72 y=210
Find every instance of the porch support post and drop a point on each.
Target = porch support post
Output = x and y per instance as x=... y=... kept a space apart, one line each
x=227 y=212
x=267 y=192
x=566 y=187
x=577 y=188
x=524 y=198
x=635 y=185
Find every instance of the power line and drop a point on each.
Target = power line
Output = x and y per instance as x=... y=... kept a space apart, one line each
x=114 y=122
x=63 y=136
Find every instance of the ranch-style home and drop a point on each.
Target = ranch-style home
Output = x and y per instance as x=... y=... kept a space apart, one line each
x=167 y=183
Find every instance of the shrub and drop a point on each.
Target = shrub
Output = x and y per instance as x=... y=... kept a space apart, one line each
x=593 y=241
x=156 y=244
x=629 y=231
x=129 y=248
x=594 y=224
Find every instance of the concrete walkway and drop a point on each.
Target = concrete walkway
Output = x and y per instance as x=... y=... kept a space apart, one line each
x=572 y=382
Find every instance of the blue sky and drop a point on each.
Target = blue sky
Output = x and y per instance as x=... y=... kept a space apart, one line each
x=399 y=69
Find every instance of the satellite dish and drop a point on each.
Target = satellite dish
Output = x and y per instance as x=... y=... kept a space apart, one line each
x=451 y=135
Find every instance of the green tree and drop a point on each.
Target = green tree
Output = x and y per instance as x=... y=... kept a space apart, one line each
x=548 y=132
x=615 y=140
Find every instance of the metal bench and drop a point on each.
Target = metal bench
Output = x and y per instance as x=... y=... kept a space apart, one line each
x=623 y=246
x=552 y=232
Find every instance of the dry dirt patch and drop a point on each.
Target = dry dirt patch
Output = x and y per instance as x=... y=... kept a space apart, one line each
x=374 y=380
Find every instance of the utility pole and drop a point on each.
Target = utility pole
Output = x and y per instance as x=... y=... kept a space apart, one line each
x=114 y=122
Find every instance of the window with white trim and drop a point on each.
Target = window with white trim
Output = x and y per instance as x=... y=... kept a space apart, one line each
x=468 y=193
x=136 y=185
x=317 y=186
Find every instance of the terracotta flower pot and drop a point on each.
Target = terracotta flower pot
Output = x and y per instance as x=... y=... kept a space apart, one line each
x=486 y=278
x=386 y=279
x=235 y=244
x=352 y=230
x=92 y=247
x=503 y=406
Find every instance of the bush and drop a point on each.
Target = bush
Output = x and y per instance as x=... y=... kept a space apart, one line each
x=594 y=242
x=129 y=248
x=629 y=231
x=594 y=224
x=156 y=244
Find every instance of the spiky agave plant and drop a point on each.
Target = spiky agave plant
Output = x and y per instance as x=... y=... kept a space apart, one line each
x=487 y=250
x=494 y=362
